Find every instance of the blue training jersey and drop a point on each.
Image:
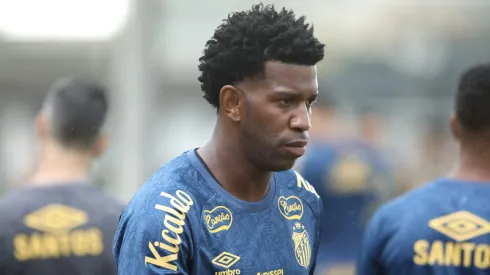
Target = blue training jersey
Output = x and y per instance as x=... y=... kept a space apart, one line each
x=441 y=228
x=183 y=222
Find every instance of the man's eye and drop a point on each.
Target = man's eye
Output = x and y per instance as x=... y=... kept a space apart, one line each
x=286 y=101
x=311 y=102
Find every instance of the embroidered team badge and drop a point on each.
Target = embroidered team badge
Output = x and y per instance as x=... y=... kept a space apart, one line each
x=302 y=248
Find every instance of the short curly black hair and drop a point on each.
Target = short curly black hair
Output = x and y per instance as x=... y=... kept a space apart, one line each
x=473 y=99
x=76 y=109
x=246 y=40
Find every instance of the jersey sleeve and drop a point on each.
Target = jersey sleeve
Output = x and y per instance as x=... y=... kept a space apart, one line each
x=372 y=245
x=311 y=197
x=320 y=233
x=154 y=235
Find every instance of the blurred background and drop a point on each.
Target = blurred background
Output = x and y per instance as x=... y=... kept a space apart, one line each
x=398 y=58
x=389 y=75
x=391 y=69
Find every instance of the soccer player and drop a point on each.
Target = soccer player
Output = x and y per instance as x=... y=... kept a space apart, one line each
x=58 y=223
x=234 y=206
x=443 y=227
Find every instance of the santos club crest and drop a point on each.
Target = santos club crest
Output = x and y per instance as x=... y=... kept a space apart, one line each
x=302 y=248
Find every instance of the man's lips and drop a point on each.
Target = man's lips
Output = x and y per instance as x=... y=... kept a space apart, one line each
x=297 y=148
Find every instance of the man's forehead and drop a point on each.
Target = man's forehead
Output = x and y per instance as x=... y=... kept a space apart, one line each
x=280 y=69
x=281 y=76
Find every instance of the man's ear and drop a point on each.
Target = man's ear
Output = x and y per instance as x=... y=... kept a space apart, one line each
x=230 y=101
x=42 y=130
x=100 y=145
x=455 y=127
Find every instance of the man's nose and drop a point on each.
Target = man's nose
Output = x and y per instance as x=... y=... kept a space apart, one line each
x=301 y=121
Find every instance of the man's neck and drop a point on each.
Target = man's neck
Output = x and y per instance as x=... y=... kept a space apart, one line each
x=60 y=168
x=474 y=165
x=233 y=170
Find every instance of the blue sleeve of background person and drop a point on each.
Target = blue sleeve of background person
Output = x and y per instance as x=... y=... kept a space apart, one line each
x=154 y=234
x=373 y=242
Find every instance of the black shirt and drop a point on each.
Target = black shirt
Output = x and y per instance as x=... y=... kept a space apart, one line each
x=58 y=229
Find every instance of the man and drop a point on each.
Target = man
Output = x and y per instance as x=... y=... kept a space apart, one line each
x=345 y=172
x=58 y=223
x=443 y=227
x=233 y=206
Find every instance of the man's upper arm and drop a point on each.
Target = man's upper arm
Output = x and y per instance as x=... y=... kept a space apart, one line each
x=371 y=249
x=154 y=235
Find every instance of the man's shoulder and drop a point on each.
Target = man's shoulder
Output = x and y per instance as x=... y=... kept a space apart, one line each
x=411 y=201
x=9 y=197
x=175 y=181
x=10 y=203
x=293 y=180
x=91 y=200
x=407 y=210
x=294 y=183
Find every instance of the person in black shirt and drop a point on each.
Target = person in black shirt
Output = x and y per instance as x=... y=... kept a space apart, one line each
x=58 y=223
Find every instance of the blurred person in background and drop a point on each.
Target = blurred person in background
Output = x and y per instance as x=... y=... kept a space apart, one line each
x=348 y=173
x=442 y=227
x=370 y=124
x=383 y=162
x=234 y=205
x=59 y=223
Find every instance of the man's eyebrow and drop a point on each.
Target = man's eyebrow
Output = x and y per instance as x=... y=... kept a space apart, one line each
x=291 y=93
x=285 y=93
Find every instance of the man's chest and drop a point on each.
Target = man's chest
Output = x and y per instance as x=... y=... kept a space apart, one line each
x=280 y=239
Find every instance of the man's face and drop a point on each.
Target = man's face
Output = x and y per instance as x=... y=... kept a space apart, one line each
x=277 y=115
